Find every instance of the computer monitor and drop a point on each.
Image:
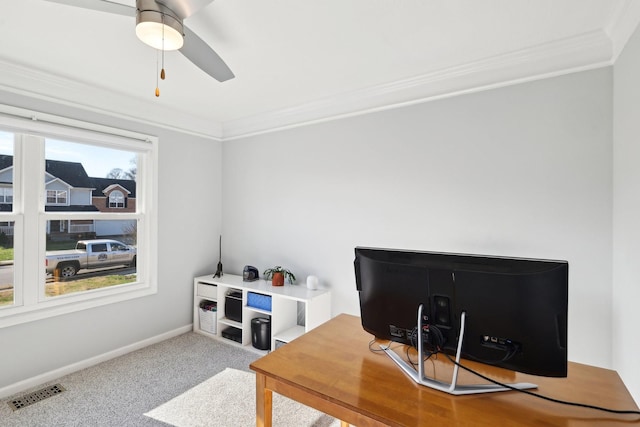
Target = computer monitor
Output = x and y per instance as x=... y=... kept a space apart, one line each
x=512 y=311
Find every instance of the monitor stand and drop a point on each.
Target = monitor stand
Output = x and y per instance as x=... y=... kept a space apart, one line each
x=451 y=388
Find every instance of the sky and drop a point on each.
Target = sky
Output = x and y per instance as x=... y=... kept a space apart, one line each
x=97 y=161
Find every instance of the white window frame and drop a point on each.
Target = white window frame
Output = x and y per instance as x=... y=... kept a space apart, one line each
x=30 y=218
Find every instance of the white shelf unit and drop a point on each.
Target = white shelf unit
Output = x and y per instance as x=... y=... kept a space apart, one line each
x=285 y=303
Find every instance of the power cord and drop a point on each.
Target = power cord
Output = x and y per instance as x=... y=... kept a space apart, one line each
x=439 y=340
x=436 y=349
x=540 y=396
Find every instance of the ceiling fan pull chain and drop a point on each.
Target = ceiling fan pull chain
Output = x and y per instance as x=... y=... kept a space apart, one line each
x=162 y=72
x=157 y=87
x=157 y=60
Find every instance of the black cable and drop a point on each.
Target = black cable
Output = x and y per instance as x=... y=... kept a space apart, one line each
x=408 y=356
x=380 y=349
x=508 y=356
x=550 y=399
x=376 y=350
x=438 y=350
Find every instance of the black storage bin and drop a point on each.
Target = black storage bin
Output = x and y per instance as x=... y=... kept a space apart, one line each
x=261 y=333
x=233 y=306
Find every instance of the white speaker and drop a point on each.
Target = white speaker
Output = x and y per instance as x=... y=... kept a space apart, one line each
x=312 y=282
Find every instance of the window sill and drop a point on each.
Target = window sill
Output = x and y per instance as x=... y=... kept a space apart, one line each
x=16 y=315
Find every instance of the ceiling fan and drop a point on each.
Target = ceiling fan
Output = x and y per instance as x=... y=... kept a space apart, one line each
x=159 y=23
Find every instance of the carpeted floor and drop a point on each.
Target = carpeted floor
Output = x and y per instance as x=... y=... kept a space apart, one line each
x=120 y=391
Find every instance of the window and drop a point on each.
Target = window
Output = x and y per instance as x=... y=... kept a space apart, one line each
x=57 y=180
x=6 y=194
x=116 y=199
x=118 y=247
x=56 y=197
x=7 y=220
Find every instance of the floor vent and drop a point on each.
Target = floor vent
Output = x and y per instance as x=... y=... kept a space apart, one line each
x=36 y=396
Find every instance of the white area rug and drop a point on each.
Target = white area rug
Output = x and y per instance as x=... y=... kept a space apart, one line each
x=228 y=399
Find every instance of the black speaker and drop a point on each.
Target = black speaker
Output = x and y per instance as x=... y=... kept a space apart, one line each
x=442 y=315
x=261 y=333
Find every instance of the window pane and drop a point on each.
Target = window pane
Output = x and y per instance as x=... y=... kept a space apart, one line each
x=6 y=264
x=89 y=254
x=89 y=178
x=6 y=225
x=6 y=171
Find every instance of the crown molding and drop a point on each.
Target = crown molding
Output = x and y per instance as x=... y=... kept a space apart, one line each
x=45 y=86
x=585 y=51
x=582 y=52
x=623 y=23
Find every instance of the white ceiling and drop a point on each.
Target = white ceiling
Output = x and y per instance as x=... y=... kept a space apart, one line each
x=298 y=61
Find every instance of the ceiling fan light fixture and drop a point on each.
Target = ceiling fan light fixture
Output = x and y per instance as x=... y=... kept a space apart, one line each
x=158 y=26
x=151 y=34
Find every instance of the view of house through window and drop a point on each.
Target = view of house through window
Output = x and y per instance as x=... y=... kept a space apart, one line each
x=91 y=221
x=85 y=253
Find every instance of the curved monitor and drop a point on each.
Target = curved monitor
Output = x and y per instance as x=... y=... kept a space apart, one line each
x=515 y=308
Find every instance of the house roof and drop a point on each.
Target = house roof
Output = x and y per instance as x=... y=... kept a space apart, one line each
x=8 y=207
x=71 y=208
x=101 y=184
x=5 y=161
x=74 y=174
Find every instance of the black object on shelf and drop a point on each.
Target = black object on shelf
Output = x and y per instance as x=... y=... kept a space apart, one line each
x=261 y=333
x=250 y=274
x=233 y=306
x=233 y=334
x=219 y=269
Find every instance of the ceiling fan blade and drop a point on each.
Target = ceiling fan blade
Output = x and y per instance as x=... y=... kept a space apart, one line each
x=185 y=8
x=101 y=5
x=198 y=52
x=194 y=48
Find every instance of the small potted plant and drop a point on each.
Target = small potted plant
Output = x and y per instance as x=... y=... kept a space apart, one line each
x=277 y=275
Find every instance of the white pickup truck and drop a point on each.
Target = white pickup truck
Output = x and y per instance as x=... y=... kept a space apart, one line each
x=90 y=254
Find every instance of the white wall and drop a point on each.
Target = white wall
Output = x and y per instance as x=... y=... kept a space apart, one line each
x=189 y=219
x=626 y=227
x=524 y=170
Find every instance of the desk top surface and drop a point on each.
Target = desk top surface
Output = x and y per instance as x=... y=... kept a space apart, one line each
x=333 y=361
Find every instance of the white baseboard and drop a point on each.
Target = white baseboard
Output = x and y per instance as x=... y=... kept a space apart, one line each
x=65 y=370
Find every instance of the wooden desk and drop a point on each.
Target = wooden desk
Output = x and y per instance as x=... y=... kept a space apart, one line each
x=331 y=369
